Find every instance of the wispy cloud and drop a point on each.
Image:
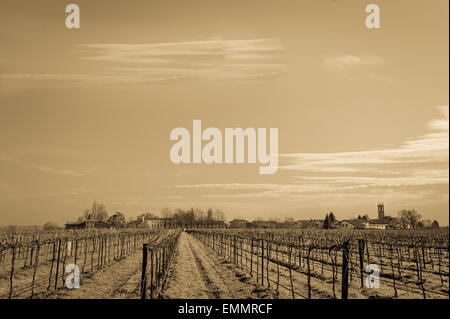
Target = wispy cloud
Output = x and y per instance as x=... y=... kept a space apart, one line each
x=209 y=59
x=77 y=80
x=356 y=67
x=441 y=124
x=169 y=197
x=423 y=159
x=156 y=63
x=185 y=52
x=29 y=157
x=345 y=63
x=414 y=169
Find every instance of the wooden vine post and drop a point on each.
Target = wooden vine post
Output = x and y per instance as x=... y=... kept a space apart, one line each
x=361 y=245
x=345 y=257
x=144 y=290
x=13 y=260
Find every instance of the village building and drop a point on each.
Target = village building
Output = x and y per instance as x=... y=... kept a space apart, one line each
x=239 y=223
x=89 y=224
x=396 y=223
x=266 y=224
x=383 y=222
x=351 y=224
x=377 y=224
x=210 y=224
x=155 y=222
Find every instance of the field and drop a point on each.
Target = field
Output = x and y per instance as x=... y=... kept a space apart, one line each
x=202 y=263
x=332 y=264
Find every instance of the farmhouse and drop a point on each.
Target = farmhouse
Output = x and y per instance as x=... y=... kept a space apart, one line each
x=240 y=223
x=396 y=223
x=351 y=224
x=210 y=224
x=156 y=223
x=89 y=224
x=383 y=222
x=377 y=224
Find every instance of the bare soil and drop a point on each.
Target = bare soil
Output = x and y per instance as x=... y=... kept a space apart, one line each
x=197 y=272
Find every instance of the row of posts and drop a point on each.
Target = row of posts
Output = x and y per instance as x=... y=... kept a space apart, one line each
x=155 y=265
x=227 y=246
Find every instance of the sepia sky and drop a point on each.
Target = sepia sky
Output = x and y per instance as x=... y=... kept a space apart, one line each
x=86 y=114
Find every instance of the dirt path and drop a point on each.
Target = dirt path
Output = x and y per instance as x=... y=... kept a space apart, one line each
x=199 y=273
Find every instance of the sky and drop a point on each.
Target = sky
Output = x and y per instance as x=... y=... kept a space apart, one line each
x=86 y=114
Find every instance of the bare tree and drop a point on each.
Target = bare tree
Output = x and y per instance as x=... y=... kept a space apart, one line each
x=166 y=212
x=219 y=215
x=86 y=215
x=117 y=220
x=410 y=217
x=209 y=213
x=97 y=212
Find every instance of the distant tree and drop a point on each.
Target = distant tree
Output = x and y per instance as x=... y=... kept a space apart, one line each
x=193 y=216
x=166 y=212
x=409 y=217
x=331 y=218
x=200 y=215
x=219 y=215
x=86 y=215
x=50 y=226
x=364 y=217
x=209 y=216
x=97 y=212
x=117 y=220
x=148 y=216
x=435 y=224
x=190 y=217
x=326 y=222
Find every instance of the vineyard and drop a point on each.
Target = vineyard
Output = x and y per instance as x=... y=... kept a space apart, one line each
x=33 y=264
x=220 y=263
x=332 y=264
